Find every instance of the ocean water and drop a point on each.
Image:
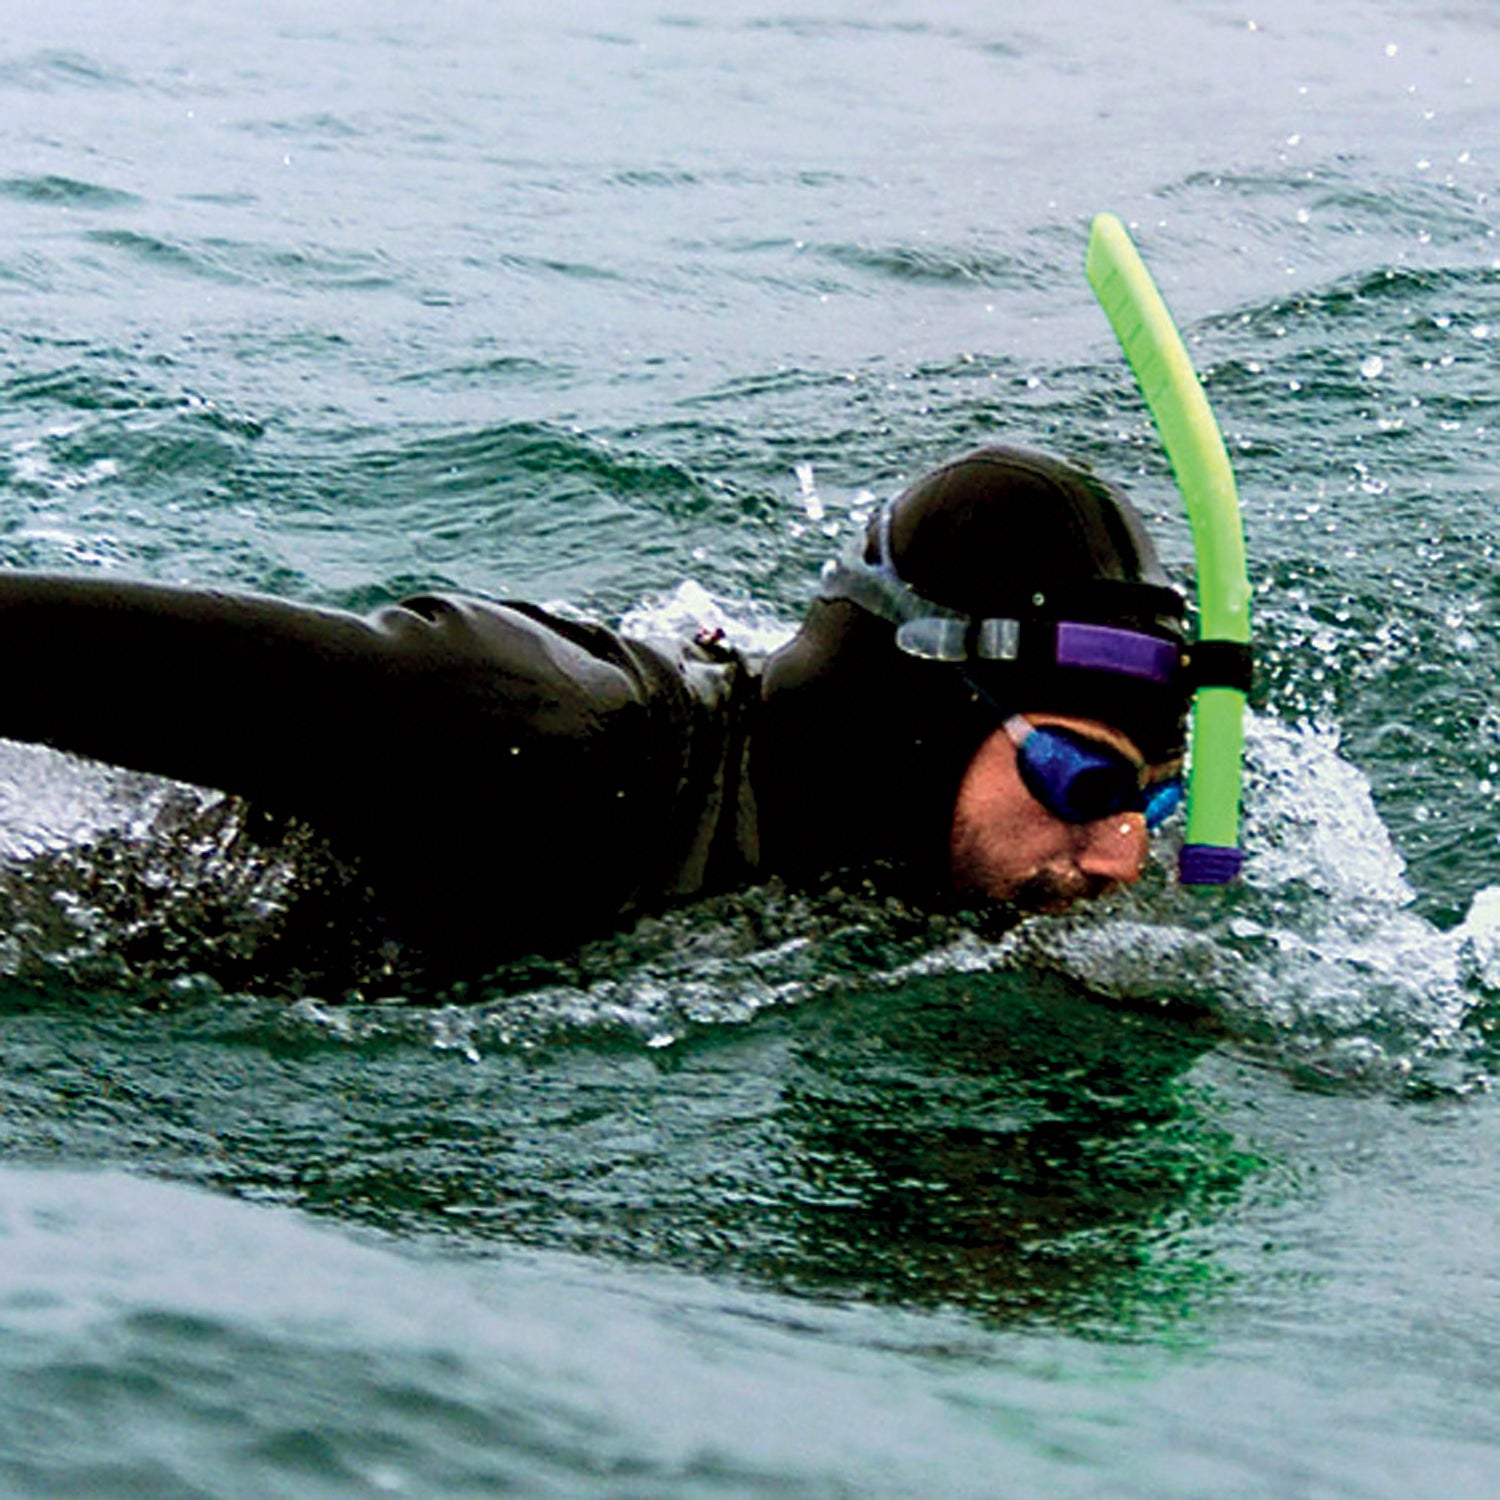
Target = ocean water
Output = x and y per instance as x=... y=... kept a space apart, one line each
x=638 y=310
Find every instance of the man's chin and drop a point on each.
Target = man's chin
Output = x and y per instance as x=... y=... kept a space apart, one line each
x=1043 y=894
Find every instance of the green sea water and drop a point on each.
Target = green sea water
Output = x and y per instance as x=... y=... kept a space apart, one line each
x=639 y=311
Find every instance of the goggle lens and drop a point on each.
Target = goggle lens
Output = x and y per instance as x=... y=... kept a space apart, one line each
x=1080 y=781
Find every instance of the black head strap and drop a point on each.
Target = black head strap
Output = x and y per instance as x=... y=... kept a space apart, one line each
x=1229 y=664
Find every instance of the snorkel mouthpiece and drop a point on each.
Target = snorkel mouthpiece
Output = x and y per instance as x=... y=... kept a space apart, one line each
x=1154 y=350
x=1208 y=864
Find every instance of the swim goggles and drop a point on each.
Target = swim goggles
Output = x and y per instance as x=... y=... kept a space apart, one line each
x=1081 y=780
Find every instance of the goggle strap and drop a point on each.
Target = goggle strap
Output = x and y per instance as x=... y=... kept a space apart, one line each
x=1041 y=645
x=932 y=632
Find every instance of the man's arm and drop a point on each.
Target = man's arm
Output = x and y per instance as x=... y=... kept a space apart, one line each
x=494 y=770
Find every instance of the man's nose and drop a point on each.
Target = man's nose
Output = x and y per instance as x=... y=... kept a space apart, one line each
x=1115 y=848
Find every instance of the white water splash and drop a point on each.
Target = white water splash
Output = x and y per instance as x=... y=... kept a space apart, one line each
x=51 y=801
x=691 y=610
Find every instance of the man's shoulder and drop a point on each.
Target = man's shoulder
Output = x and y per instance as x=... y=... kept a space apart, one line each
x=529 y=642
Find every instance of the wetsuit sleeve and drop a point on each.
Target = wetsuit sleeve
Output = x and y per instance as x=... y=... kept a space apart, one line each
x=493 y=768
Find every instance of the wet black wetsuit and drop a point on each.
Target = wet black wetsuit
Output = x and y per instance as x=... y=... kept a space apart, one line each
x=507 y=781
x=510 y=782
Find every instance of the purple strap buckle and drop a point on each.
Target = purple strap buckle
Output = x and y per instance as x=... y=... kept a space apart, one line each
x=1208 y=864
x=1103 y=648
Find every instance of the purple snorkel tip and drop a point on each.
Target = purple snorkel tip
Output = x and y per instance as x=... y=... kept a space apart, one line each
x=1208 y=864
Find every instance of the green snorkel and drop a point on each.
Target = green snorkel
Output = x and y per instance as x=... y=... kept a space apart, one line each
x=1220 y=661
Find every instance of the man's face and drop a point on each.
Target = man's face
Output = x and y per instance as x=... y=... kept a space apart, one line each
x=1007 y=847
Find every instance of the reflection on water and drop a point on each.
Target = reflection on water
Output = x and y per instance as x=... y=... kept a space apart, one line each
x=991 y=1142
x=1002 y=1143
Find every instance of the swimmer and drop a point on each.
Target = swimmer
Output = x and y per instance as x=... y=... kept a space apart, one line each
x=985 y=705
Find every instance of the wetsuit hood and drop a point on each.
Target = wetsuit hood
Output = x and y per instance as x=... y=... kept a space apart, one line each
x=980 y=590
